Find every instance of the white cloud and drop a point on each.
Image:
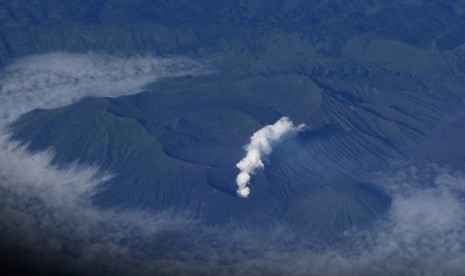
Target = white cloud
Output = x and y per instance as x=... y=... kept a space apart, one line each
x=426 y=224
x=422 y=234
x=47 y=212
x=58 y=79
x=44 y=210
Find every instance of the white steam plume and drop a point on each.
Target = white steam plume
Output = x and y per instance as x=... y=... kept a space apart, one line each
x=261 y=144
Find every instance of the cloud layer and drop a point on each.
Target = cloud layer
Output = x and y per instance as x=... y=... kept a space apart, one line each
x=47 y=212
x=47 y=215
x=58 y=79
x=261 y=144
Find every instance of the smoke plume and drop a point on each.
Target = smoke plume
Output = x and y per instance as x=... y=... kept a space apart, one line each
x=261 y=144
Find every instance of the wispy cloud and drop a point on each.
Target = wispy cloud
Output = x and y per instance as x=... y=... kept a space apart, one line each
x=422 y=234
x=58 y=79
x=47 y=212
